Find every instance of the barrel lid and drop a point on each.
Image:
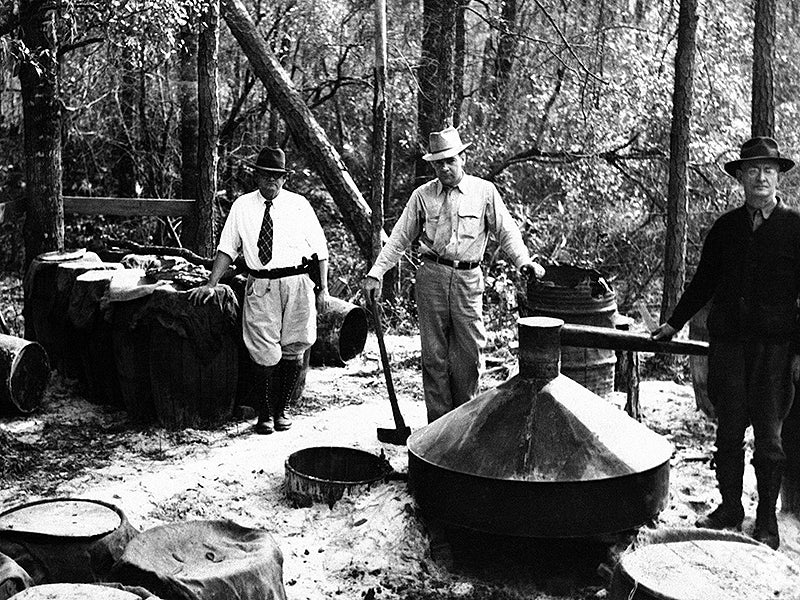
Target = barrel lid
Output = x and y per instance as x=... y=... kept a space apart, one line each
x=63 y=518
x=73 y=591
x=711 y=570
x=61 y=255
x=560 y=432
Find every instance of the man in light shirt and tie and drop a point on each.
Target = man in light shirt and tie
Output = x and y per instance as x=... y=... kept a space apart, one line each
x=277 y=233
x=452 y=216
x=750 y=272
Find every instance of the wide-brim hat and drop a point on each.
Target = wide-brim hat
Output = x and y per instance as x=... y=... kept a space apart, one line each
x=759 y=148
x=271 y=160
x=444 y=144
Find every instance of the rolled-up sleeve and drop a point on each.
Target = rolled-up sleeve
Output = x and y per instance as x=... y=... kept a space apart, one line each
x=505 y=229
x=405 y=231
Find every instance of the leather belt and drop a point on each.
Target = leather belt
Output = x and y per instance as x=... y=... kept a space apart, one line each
x=456 y=264
x=280 y=272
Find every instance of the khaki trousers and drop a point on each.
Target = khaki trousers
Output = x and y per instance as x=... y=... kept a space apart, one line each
x=450 y=309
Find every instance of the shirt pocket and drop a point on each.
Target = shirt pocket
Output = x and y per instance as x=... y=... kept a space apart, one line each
x=470 y=219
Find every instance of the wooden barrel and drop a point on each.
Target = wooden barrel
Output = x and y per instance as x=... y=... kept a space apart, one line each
x=341 y=334
x=95 y=347
x=65 y=540
x=47 y=289
x=704 y=570
x=193 y=358
x=579 y=296
x=74 y=591
x=130 y=339
x=24 y=373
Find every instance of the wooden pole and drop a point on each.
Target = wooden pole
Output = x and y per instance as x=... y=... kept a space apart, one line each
x=379 y=128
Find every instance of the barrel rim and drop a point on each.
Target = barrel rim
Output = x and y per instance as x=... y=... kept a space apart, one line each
x=32 y=535
x=35 y=347
x=378 y=463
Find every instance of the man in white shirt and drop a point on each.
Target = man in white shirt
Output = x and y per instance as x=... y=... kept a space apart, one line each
x=452 y=216
x=277 y=233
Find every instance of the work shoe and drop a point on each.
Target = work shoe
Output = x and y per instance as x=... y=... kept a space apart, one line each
x=766 y=530
x=282 y=423
x=263 y=427
x=723 y=517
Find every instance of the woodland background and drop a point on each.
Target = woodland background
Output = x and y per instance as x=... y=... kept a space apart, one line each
x=574 y=108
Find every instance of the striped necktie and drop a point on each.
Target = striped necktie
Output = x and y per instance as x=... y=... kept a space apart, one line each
x=265 y=237
x=445 y=223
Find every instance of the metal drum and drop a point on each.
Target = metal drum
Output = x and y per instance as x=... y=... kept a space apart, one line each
x=539 y=455
x=583 y=297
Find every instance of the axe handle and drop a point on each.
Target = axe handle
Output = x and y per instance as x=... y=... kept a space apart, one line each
x=398 y=417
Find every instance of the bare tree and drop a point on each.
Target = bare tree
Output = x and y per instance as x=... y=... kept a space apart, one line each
x=208 y=135
x=435 y=97
x=187 y=98
x=44 y=222
x=677 y=203
x=763 y=99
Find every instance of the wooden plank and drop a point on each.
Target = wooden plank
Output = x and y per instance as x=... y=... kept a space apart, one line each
x=10 y=209
x=128 y=207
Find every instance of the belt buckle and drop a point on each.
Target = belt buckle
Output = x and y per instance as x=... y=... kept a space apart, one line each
x=455 y=264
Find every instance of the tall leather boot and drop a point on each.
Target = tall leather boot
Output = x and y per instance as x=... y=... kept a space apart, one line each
x=289 y=371
x=768 y=482
x=267 y=376
x=730 y=472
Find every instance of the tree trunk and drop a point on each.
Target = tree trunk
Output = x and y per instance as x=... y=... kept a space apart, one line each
x=208 y=138
x=304 y=128
x=459 y=60
x=506 y=49
x=379 y=128
x=763 y=100
x=44 y=222
x=677 y=204
x=187 y=93
x=435 y=98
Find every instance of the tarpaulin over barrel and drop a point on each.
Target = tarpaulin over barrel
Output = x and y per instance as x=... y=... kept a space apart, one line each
x=204 y=560
x=65 y=540
x=13 y=578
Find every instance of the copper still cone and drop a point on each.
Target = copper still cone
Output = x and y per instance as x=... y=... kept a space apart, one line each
x=539 y=455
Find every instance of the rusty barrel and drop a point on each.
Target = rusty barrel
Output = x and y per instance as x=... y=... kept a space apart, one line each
x=580 y=296
x=193 y=357
x=24 y=372
x=65 y=540
x=326 y=473
x=48 y=284
x=341 y=334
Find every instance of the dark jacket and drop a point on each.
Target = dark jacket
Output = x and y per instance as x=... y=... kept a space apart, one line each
x=751 y=277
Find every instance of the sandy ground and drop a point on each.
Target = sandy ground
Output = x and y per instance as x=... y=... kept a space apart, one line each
x=372 y=545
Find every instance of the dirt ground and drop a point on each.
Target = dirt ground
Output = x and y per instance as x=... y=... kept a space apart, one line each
x=373 y=545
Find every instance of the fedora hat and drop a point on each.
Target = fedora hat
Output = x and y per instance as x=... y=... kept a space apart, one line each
x=444 y=144
x=758 y=148
x=272 y=160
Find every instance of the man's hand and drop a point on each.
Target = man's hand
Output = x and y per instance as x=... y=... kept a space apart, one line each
x=201 y=295
x=794 y=365
x=664 y=332
x=532 y=269
x=371 y=288
x=323 y=301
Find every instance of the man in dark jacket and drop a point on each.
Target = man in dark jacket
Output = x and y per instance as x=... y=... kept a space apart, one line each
x=750 y=271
